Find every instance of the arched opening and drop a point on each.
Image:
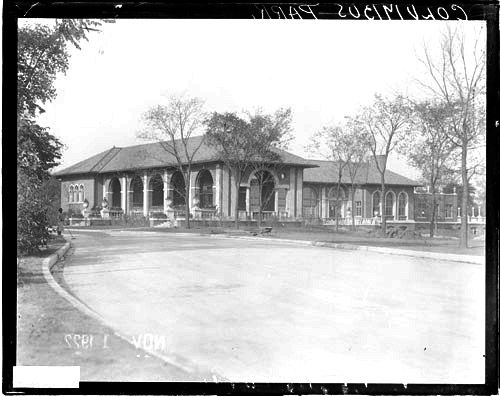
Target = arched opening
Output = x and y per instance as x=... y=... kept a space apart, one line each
x=389 y=204
x=376 y=208
x=333 y=202
x=137 y=193
x=71 y=194
x=115 y=190
x=156 y=187
x=206 y=194
x=402 y=206
x=81 y=195
x=178 y=187
x=263 y=181
x=310 y=207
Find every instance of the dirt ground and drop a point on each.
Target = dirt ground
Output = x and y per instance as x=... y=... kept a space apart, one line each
x=50 y=331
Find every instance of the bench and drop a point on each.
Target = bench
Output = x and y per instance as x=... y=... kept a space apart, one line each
x=263 y=231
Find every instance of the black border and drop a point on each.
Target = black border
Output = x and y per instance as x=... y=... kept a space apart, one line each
x=476 y=10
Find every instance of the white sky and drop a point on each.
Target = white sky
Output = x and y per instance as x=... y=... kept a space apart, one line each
x=322 y=69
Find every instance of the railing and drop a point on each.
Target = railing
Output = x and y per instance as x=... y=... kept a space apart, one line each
x=270 y=215
x=116 y=213
x=476 y=219
x=205 y=214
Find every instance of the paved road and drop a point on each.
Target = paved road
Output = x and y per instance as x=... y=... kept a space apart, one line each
x=264 y=311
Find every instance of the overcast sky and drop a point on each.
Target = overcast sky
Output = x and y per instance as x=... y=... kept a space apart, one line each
x=324 y=70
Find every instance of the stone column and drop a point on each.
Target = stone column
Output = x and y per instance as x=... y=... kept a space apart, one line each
x=292 y=193
x=324 y=203
x=193 y=190
x=300 y=173
x=123 y=182
x=145 y=195
x=218 y=187
x=225 y=191
x=166 y=190
x=247 y=200
x=234 y=192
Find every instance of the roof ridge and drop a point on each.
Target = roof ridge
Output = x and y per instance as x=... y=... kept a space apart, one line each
x=118 y=149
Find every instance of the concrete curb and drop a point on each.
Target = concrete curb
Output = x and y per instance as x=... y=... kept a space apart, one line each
x=462 y=258
x=47 y=265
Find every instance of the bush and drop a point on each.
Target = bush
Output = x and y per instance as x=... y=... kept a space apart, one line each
x=32 y=220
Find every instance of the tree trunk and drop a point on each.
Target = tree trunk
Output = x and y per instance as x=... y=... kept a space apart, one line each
x=337 y=207
x=433 y=212
x=464 y=232
x=353 y=190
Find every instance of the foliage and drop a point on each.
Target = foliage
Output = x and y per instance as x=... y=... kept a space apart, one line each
x=42 y=54
x=430 y=148
x=250 y=143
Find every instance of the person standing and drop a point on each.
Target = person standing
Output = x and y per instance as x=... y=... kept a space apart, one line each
x=60 y=222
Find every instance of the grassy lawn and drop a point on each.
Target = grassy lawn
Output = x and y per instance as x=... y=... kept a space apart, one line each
x=441 y=244
x=50 y=331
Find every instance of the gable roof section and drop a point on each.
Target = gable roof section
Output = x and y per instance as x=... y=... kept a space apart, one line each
x=155 y=155
x=327 y=172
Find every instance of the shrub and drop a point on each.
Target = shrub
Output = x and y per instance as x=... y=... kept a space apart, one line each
x=32 y=220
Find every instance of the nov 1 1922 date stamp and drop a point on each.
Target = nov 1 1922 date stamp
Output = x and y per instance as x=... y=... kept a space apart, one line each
x=86 y=341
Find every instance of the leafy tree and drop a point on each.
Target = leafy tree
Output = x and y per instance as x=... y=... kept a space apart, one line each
x=456 y=76
x=249 y=145
x=430 y=148
x=42 y=54
x=387 y=121
x=173 y=125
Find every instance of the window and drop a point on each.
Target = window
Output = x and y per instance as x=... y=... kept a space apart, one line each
x=242 y=199
x=309 y=202
x=81 y=196
x=71 y=194
x=358 y=208
x=389 y=204
x=376 y=204
x=402 y=201
x=448 y=211
x=206 y=189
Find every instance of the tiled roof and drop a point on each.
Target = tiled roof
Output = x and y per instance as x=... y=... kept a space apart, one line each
x=154 y=155
x=327 y=172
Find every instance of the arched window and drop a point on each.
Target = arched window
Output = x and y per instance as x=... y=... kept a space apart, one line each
x=389 y=204
x=81 y=195
x=115 y=191
x=71 y=192
x=402 y=206
x=137 y=192
x=76 y=194
x=309 y=202
x=263 y=181
x=332 y=202
x=376 y=203
x=156 y=187
x=178 y=189
x=206 y=193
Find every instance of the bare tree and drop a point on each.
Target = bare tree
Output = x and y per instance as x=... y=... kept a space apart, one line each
x=332 y=144
x=174 y=125
x=457 y=77
x=356 y=155
x=387 y=121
